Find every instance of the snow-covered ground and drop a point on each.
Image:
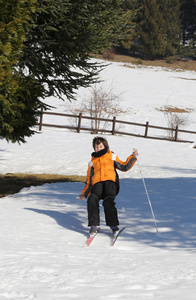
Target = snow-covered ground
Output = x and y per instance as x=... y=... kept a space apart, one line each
x=44 y=229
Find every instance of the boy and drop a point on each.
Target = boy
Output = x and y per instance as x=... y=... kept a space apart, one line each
x=103 y=183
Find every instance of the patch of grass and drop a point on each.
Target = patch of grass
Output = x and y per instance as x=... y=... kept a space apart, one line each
x=12 y=183
x=176 y=63
x=175 y=109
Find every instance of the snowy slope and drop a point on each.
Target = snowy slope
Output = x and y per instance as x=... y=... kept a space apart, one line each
x=43 y=229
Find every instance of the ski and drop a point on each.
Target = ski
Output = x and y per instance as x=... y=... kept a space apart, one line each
x=91 y=237
x=117 y=235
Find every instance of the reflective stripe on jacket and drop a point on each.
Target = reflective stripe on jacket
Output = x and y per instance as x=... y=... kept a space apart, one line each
x=104 y=168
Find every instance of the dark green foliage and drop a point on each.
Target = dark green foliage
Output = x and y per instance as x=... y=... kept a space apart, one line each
x=170 y=10
x=150 y=36
x=188 y=20
x=157 y=24
x=63 y=35
x=19 y=106
x=44 y=50
x=160 y=28
x=18 y=93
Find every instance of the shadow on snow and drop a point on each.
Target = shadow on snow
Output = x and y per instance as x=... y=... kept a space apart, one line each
x=173 y=201
x=174 y=204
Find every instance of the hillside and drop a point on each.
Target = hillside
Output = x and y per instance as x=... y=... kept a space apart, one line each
x=44 y=228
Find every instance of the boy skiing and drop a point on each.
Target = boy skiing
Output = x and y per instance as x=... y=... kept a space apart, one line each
x=103 y=183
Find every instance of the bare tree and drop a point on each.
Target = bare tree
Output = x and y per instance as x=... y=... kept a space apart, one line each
x=101 y=103
x=174 y=120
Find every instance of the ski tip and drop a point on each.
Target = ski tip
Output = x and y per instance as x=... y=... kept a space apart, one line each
x=91 y=237
x=117 y=235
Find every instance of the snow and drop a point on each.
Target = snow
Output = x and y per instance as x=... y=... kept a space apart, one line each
x=44 y=229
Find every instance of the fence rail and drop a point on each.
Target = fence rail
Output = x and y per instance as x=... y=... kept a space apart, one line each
x=175 y=132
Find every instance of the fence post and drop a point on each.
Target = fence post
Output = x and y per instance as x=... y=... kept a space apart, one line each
x=41 y=119
x=176 y=133
x=113 y=126
x=79 y=122
x=146 y=131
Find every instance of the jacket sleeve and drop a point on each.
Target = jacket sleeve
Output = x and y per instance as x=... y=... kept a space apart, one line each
x=124 y=166
x=88 y=185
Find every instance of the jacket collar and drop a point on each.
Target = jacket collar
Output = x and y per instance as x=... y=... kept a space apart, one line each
x=100 y=153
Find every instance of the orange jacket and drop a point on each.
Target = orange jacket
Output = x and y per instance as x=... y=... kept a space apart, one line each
x=102 y=168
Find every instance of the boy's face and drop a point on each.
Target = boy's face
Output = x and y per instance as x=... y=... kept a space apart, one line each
x=99 y=147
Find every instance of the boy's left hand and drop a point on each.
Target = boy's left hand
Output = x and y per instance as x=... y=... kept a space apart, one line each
x=135 y=153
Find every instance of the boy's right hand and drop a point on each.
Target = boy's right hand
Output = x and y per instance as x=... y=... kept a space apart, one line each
x=80 y=197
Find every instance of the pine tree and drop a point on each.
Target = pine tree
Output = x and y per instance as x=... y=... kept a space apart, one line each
x=18 y=94
x=170 y=10
x=150 y=37
x=126 y=42
x=188 y=20
x=63 y=34
x=45 y=47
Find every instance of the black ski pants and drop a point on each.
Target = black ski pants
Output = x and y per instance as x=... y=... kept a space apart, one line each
x=105 y=190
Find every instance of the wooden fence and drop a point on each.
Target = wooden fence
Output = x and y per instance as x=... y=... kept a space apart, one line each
x=175 y=132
